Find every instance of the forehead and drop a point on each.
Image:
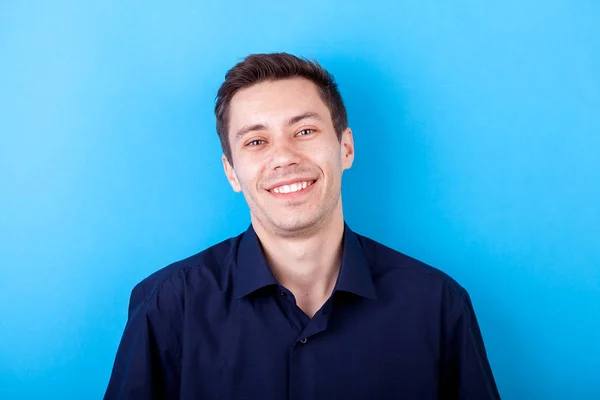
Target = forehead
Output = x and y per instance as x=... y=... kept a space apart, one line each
x=274 y=102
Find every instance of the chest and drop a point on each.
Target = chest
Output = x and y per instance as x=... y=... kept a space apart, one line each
x=272 y=351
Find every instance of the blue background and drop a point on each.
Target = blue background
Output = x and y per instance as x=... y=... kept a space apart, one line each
x=478 y=140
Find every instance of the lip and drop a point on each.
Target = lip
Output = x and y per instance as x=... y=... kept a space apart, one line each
x=294 y=195
x=289 y=182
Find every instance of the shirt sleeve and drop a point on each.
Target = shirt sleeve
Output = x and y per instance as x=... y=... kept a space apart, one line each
x=466 y=373
x=146 y=366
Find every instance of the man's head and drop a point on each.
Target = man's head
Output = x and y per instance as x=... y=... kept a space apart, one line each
x=283 y=127
x=257 y=68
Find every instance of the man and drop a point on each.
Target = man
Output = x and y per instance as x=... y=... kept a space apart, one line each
x=298 y=306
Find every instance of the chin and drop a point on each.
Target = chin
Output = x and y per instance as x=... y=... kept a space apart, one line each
x=296 y=225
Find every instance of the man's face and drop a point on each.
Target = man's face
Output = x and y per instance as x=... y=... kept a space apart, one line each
x=287 y=159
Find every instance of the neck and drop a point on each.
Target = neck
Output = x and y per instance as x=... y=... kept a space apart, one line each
x=306 y=264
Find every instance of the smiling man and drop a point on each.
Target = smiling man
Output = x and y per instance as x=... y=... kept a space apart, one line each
x=299 y=306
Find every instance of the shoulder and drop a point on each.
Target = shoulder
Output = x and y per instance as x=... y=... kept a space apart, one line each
x=209 y=266
x=395 y=269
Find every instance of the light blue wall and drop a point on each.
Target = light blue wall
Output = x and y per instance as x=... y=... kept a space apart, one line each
x=478 y=151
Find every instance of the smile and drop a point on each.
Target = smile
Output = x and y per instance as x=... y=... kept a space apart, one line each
x=294 y=187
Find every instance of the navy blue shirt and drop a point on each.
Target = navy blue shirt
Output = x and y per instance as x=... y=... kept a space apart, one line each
x=218 y=325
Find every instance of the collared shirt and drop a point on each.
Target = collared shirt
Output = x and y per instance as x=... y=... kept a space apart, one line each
x=218 y=325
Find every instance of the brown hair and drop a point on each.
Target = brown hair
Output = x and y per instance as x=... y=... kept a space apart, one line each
x=257 y=68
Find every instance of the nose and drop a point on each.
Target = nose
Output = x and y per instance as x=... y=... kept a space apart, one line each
x=284 y=155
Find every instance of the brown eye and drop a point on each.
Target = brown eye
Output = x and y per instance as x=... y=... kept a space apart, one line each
x=305 y=132
x=255 y=142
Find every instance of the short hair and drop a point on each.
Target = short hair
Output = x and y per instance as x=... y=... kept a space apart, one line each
x=257 y=68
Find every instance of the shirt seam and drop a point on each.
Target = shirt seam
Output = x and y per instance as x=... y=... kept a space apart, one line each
x=152 y=293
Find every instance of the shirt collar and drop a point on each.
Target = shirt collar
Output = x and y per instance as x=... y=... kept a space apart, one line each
x=355 y=272
x=253 y=272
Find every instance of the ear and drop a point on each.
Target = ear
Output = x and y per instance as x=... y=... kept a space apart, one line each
x=347 y=149
x=231 y=175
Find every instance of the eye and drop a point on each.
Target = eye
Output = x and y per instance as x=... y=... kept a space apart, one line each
x=305 y=132
x=255 y=142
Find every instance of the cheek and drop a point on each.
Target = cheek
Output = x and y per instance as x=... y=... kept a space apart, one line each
x=248 y=173
x=321 y=151
x=328 y=158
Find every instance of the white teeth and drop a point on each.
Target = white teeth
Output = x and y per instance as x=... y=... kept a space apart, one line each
x=294 y=187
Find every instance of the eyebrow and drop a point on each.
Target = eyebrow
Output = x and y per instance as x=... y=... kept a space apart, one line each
x=306 y=115
x=294 y=120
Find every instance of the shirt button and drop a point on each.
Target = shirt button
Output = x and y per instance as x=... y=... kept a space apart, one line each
x=282 y=293
x=303 y=340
